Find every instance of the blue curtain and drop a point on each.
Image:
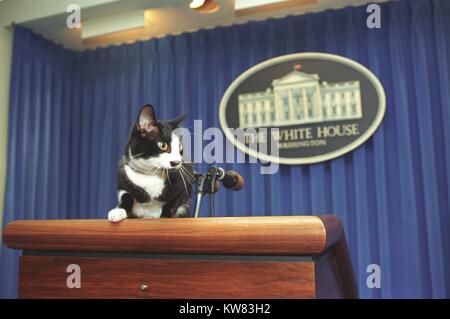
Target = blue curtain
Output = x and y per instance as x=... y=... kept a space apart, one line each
x=70 y=113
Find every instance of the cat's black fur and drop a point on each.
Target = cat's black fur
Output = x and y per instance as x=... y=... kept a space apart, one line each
x=143 y=144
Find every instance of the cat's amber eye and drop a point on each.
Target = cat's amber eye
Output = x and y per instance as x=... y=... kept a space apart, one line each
x=163 y=146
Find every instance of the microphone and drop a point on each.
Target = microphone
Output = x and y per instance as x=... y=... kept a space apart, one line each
x=201 y=178
x=208 y=183
x=230 y=179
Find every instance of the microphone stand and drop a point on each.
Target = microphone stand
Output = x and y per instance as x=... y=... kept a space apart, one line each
x=206 y=185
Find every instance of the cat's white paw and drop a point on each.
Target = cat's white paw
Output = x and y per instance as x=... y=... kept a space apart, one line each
x=181 y=211
x=117 y=214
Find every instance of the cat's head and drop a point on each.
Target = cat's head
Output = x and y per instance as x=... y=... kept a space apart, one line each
x=153 y=143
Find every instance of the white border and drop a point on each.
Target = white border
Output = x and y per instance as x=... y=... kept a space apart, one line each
x=313 y=159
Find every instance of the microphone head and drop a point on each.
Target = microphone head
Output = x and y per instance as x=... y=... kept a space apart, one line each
x=221 y=173
x=233 y=181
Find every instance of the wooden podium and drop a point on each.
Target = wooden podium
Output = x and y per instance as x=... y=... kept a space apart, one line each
x=229 y=257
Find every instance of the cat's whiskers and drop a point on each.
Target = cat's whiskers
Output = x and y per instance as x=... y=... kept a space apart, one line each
x=187 y=174
x=168 y=176
x=145 y=169
x=181 y=169
x=190 y=173
x=135 y=155
x=184 y=182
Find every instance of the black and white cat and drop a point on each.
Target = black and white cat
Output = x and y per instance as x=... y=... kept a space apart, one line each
x=153 y=179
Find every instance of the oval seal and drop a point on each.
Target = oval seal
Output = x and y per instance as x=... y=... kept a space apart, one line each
x=308 y=107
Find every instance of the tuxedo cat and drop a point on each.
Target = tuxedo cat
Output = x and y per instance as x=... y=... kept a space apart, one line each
x=153 y=179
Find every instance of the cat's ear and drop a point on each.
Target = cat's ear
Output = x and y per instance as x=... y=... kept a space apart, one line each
x=177 y=121
x=146 y=123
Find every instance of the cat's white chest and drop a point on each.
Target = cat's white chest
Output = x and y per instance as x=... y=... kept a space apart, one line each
x=152 y=184
x=152 y=209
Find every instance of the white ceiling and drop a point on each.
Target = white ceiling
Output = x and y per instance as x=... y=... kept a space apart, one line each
x=167 y=17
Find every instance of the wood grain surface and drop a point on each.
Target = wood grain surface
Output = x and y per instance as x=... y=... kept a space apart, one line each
x=285 y=235
x=45 y=277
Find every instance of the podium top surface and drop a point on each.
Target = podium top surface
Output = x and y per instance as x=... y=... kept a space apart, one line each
x=271 y=235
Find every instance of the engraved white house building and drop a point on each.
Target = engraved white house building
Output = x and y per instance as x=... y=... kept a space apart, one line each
x=299 y=98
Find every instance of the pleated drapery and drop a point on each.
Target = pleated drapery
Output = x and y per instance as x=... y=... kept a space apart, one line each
x=70 y=114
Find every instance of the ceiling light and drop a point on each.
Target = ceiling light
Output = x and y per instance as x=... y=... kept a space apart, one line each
x=204 y=6
x=195 y=4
